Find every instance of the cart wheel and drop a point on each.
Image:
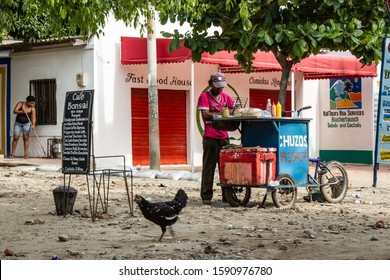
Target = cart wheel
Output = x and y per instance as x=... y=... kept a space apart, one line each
x=334 y=192
x=237 y=196
x=284 y=197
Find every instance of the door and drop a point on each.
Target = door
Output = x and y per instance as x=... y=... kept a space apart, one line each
x=172 y=125
x=258 y=99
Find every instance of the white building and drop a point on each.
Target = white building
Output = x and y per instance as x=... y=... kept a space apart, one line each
x=120 y=116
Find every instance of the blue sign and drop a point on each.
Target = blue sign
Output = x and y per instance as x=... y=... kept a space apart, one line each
x=382 y=142
x=294 y=150
x=383 y=121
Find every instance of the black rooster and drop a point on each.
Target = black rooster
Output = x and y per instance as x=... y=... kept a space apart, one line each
x=163 y=213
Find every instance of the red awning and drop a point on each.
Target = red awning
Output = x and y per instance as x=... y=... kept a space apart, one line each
x=222 y=58
x=332 y=65
x=321 y=66
x=263 y=62
x=135 y=51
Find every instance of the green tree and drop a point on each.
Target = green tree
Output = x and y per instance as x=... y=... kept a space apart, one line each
x=20 y=21
x=291 y=30
x=7 y=8
x=90 y=16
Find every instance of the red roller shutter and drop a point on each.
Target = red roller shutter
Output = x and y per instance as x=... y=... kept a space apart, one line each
x=258 y=98
x=173 y=126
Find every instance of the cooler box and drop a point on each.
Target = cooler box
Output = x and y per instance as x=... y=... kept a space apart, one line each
x=247 y=166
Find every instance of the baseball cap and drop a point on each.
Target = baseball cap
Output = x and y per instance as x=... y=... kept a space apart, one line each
x=218 y=80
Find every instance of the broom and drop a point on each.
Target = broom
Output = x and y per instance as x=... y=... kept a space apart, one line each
x=36 y=134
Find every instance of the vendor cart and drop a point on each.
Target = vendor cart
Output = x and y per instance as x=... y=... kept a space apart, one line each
x=275 y=155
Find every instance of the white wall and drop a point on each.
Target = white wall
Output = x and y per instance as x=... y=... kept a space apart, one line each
x=308 y=95
x=360 y=138
x=112 y=109
x=61 y=64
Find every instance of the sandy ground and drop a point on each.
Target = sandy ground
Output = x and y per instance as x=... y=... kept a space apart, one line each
x=32 y=230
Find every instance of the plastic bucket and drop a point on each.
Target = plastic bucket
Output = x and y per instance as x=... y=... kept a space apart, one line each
x=64 y=199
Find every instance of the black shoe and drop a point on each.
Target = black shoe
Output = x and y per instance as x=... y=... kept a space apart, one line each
x=207 y=201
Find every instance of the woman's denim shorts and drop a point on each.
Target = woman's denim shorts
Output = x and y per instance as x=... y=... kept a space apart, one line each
x=22 y=128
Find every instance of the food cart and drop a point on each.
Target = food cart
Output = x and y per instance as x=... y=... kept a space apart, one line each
x=275 y=156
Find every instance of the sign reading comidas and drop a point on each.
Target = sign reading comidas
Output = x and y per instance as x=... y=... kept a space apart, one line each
x=76 y=132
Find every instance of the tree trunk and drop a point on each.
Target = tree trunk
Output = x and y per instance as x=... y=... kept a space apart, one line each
x=283 y=85
x=286 y=68
x=154 y=129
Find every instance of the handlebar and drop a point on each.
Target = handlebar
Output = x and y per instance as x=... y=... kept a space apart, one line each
x=303 y=108
x=299 y=110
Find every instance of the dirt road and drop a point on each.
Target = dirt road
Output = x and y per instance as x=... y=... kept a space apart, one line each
x=31 y=229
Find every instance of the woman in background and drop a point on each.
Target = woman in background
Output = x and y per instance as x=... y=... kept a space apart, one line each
x=24 y=122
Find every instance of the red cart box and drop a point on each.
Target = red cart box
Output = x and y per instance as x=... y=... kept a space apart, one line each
x=247 y=166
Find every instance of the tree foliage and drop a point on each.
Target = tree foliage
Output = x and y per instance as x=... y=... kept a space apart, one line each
x=90 y=16
x=7 y=8
x=291 y=30
x=60 y=18
x=21 y=21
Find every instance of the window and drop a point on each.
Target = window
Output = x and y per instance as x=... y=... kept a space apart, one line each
x=45 y=101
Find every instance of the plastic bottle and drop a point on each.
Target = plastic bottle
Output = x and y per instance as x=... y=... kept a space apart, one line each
x=273 y=110
x=269 y=106
x=278 y=109
x=225 y=113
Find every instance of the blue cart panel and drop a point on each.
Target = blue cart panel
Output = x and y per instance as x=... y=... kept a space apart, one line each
x=289 y=135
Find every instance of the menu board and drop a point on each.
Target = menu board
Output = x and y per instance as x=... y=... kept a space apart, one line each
x=76 y=132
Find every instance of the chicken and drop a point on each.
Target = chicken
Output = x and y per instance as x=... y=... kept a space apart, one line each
x=163 y=213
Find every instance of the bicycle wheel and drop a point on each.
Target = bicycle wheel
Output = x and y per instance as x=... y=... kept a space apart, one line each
x=335 y=180
x=237 y=195
x=285 y=197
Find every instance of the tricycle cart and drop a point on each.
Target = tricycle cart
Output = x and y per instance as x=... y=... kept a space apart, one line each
x=275 y=156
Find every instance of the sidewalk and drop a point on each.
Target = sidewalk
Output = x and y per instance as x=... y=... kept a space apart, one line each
x=18 y=161
x=54 y=164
